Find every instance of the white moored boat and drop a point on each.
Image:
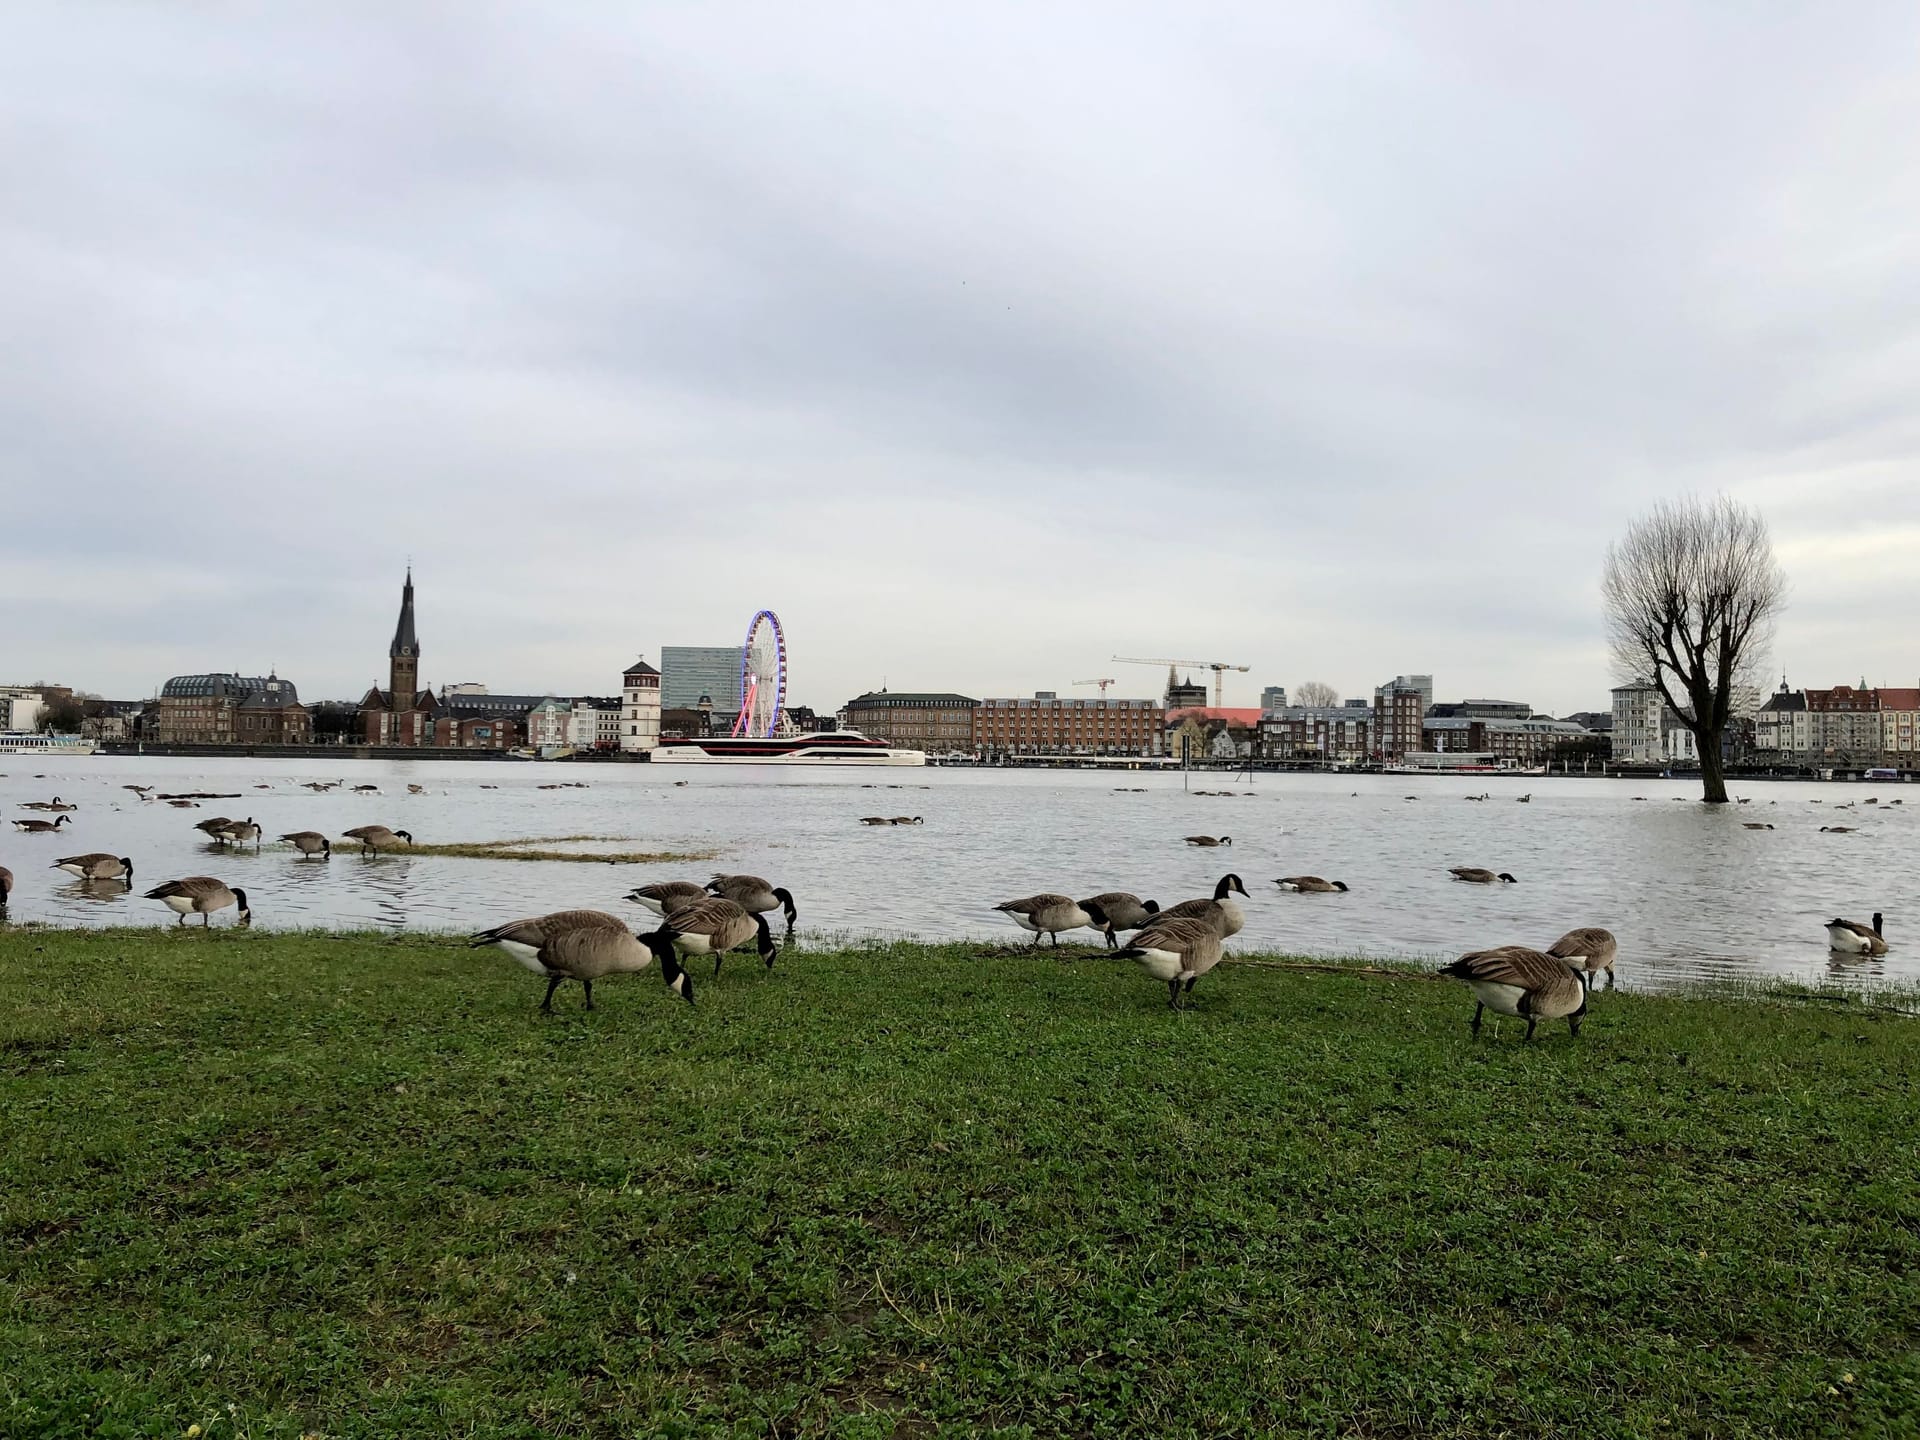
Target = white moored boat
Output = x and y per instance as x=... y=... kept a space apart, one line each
x=16 y=743
x=834 y=747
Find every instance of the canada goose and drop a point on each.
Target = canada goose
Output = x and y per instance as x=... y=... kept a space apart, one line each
x=1526 y=799
x=310 y=842
x=489 y=787
x=1590 y=950
x=1513 y=980
x=715 y=926
x=1209 y=840
x=240 y=831
x=1850 y=937
x=1178 y=951
x=201 y=895
x=213 y=825
x=875 y=820
x=375 y=837
x=583 y=945
x=1310 y=884
x=1475 y=876
x=137 y=789
x=1870 y=800
x=1219 y=912
x=53 y=804
x=1755 y=825
x=6 y=885
x=754 y=895
x=97 y=865
x=57 y=804
x=39 y=827
x=1118 y=910
x=184 y=804
x=668 y=896
x=1045 y=914
x=1836 y=829
x=906 y=820
x=366 y=789
x=416 y=789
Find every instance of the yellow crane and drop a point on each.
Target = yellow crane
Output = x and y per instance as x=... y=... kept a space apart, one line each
x=1218 y=667
x=1101 y=683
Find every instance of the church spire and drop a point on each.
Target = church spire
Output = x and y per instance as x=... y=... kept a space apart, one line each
x=405 y=644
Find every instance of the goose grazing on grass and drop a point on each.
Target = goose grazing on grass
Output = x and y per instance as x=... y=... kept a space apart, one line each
x=1219 y=912
x=375 y=837
x=1209 y=840
x=583 y=945
x=310 y=842
x=1476 y=876
x=754 y=895
x=1178 y=951
x=201 y=895
x=667 y=896
x=1513 y=980
x=40 y=827
x=715 y=926
x=1045 y=914
x=1590 y=950
x=1310 y=884
x=97 y=865
x=238 y=832
x=1118 y=910
x=1850 y=937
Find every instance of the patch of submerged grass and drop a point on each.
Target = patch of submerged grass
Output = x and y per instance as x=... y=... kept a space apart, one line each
x=529 y=848
x=355 y=1184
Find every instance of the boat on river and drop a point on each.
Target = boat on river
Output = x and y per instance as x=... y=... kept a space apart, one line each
x=837 y=748
x=45 y=746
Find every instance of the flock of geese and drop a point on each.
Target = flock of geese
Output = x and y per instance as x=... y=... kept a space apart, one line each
x=1176 y=945
x=1180 y=943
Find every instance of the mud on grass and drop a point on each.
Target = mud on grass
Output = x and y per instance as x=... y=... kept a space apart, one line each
x=356 y=1185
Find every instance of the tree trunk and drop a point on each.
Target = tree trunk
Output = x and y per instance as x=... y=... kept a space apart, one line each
x=1713 y=777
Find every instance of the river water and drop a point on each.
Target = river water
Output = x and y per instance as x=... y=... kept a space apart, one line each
x=1690 y=892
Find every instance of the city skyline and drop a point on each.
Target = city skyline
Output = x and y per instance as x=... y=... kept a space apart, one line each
x=982 y=346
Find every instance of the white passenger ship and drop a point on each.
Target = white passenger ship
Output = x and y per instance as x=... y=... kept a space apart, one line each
x=839 y=748
x=20 y=743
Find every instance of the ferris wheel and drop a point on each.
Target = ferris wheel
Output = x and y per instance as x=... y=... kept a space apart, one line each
x=763 y=677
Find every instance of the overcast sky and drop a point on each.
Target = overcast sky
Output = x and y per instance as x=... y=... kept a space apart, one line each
x=982 y=342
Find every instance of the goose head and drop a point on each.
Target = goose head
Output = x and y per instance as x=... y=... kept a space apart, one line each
x=246 y=911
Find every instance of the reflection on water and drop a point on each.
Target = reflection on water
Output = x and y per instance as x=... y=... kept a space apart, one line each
x=1690 y=890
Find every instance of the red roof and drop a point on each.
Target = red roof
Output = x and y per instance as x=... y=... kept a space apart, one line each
x=1233 y=715
x=1900 y=699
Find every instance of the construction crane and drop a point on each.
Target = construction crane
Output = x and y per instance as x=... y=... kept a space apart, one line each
x=1104 y=683
x=1218 y=667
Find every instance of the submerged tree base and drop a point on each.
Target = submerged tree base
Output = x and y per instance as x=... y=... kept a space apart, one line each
x=356 y=1184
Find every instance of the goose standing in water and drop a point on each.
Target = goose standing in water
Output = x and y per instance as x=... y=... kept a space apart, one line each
x=211 y=826
x=583 y=945
x=667 y=896
x=97 y=865
x=1178 y=951
x=1590 y=950
x=374 y=838
x=201 y=895
x=1118 y=910
x=1045 y=914
x=715 y=926
x=1219 y=912
x=754 y=895
x=238 y=832
x=1850 y=937
x=310 y=842
x=1513 y=980
x=1310 y=885
x=1476 y=876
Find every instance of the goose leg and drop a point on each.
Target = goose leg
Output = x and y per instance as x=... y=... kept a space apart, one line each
x=1478 y=1011
x=553 y=984
x=1173 y=994
x=587 y=985
x=716 y=963
x=1573 y=1024
x=206 y=919
x=1531 y=1022
x=1112 y=943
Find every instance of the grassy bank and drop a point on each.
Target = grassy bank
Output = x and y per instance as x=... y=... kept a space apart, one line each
x=355 y=1185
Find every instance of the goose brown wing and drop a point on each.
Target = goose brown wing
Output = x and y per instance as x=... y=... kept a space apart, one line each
x=1587 y=941
x=538 y=930
x=1033 y=904
x=1512 y=965
x=724 y=923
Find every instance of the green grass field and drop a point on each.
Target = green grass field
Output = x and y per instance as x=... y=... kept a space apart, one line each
x=279 y=1185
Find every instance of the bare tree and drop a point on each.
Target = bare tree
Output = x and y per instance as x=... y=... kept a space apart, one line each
x=1692 y=592
x=1316 y=692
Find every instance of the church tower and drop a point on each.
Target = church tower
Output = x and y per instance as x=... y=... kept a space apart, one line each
x=403 y=656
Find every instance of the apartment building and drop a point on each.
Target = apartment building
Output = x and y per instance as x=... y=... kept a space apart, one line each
x=1048 y=725
x=937 y=722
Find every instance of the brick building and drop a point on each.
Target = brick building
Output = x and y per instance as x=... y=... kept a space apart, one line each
x=225 y=709
x=1399 y=715
x=1048 y=725
x=1524 y=742
x=937 y=722
x=1329 y=734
